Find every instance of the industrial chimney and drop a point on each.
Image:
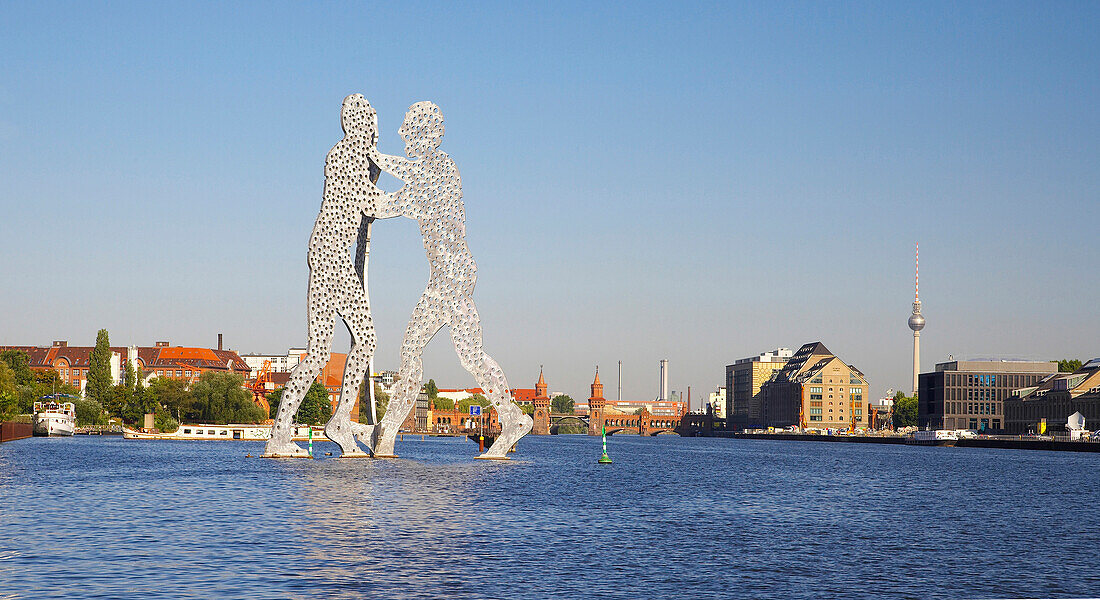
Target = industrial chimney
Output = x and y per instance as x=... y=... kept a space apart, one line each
x=219 y=341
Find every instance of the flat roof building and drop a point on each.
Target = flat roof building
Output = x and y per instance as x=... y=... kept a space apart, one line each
x=970 y=394
x=744 y=401
x=1055 y=398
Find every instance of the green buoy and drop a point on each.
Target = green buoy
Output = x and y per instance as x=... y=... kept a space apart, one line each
x=605 y=459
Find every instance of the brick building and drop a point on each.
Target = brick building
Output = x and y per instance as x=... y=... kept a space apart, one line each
x=815 y=389
x=160 y=360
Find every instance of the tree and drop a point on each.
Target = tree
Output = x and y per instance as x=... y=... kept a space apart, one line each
x=99 y=372
x=315 y=408
x=19 y=363
x=442 y=403
x=561 y=404
x=172 y=394
x=905 y=410
x=220 y=398
x=431 y=389
x=122 y=398
x=89 y=412
x=381 y=401
x=9 y=399
x=273 y=399
x=528 y=409
x=1068 y=365
x=478 y=399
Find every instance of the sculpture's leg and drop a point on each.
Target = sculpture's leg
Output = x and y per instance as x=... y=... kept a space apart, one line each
x=340 y=427
x=426 y=321
x=466 y=334
x=321 y=323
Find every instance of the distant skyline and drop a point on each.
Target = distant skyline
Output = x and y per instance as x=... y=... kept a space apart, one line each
x=642 y=180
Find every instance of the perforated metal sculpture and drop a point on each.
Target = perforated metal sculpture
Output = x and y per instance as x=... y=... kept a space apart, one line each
x=432 y=195
x=336 y=284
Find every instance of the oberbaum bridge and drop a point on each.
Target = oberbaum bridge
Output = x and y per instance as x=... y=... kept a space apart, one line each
x=427 y=419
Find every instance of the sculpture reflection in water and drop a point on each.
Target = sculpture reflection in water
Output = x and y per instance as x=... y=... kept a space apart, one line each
x=432 y=195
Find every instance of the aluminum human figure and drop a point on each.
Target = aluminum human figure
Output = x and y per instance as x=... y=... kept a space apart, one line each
x=336 y=284
x=432 y=195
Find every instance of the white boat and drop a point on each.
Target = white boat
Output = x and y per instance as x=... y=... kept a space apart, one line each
x=54 y=418
x=939 y=437
x=247 y=432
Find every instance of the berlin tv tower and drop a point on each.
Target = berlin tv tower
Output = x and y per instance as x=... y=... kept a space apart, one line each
x=916 y=322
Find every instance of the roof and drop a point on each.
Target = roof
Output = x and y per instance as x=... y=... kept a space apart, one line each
x=150 y=357
x=1081 y=381
x=805 y=355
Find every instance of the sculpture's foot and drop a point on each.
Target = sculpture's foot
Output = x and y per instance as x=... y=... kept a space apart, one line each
x=507 y=439
x=287 y=449
x=383 y=441
x=364 y=434
x=342 y=434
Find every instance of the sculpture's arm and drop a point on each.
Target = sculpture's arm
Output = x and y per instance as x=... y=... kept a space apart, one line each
x=398 y=166
x=362 y=249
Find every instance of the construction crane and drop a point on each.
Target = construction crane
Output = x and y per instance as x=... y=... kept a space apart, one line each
x=259 y=387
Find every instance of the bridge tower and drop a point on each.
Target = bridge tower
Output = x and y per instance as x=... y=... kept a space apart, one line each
x=542 y=407
x=596 y=403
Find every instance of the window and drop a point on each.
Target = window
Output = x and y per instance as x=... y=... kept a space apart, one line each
x=188 y=372
x=187 y=431
x=179 y=373
x=815 y=417
x=160 y=373
x=815 y=411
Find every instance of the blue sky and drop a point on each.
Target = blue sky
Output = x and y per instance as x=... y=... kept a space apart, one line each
x=642 y=181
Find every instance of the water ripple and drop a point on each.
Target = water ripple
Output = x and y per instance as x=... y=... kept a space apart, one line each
x=697 y=518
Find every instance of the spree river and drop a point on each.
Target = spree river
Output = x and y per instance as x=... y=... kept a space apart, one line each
x=105 y=517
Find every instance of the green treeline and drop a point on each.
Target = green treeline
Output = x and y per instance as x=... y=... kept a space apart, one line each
x=216 y=398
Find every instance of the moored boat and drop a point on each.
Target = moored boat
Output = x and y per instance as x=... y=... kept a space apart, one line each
x=54 y=418
x=938 y=437
x=247 y=432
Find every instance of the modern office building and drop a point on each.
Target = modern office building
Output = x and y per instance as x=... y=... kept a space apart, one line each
x=1054 y=399
x=744 y=401
x=816 y=390
x=970 y=394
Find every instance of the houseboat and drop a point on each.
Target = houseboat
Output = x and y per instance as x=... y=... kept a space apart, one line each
x=247 y=432
x=54 y=418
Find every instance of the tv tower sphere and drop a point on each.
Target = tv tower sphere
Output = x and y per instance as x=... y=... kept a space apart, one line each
x=916 y=321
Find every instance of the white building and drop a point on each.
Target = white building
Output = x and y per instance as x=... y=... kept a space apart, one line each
x=717 y=401
x=280 y=363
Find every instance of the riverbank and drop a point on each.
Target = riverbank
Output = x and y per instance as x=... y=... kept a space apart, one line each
x=11 y=430
x=1003 y=442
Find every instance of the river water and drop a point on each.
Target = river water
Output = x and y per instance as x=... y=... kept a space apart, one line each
x=92 y=517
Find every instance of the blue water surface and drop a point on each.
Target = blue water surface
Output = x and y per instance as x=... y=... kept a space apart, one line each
x=103 y=517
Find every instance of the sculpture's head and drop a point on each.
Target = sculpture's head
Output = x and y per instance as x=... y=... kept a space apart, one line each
x=359 y=119
x=422 y=129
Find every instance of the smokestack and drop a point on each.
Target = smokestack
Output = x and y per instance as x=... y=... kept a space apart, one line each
x=664 y=379
x=219 y=341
